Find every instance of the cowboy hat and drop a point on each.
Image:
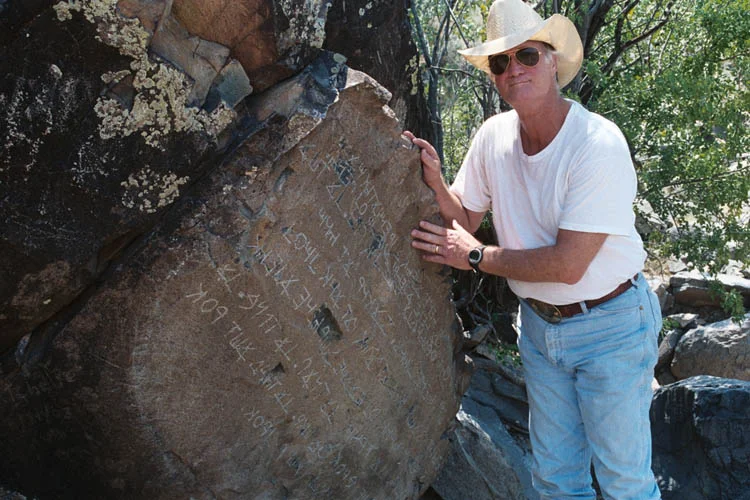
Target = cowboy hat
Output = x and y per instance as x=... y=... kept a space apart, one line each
x=513 y=22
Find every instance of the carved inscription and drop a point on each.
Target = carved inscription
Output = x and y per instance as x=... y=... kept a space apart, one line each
x=307 y=296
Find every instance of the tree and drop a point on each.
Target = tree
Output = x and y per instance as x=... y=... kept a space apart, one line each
x=671 y=73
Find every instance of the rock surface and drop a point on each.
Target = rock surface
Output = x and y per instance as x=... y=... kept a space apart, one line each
x=276 y=323
x=692 y=288
x=488 y=459
x=376 y=38
x=701 y=435
x=272 y=40
x=720 y=349
x=98 y=140
x=211 y=302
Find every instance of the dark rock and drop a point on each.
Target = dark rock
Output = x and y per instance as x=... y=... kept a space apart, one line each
x=666 y=349
x=488 y=460
x=272 y=40
x=77 y=180
x=701 y=439
x=476 y=336
x=505 y=398
x=376 y=37
x=508 y=366
x=720 y=349
x=14 y=14
x=10 y=495
x=276 y=321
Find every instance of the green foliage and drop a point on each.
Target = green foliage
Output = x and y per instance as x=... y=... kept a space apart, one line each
x=731 y=301
x=682 y=102
x=673 y=76
x=667 y=326
x=506 y=353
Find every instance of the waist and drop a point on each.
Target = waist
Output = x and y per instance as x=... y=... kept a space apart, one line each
x=556 y=313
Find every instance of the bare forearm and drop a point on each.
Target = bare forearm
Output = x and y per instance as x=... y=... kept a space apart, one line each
x=564 y=262
x=546 y=264
x=450 y=206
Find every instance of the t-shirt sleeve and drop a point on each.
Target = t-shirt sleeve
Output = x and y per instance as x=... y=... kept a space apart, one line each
x=601 y=190
x=471 y=185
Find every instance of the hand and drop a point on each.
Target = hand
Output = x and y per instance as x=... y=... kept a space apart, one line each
x=431 y=169
x=442 y=245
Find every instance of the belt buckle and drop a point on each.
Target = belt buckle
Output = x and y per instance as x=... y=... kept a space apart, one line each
x=548 y=312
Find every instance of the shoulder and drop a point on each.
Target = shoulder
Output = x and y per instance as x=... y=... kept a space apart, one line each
x=601 y=134
x=497 y=129
x=500 y=122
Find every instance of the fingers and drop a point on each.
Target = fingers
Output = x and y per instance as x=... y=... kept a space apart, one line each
x=421 y=143
x=433 y=228
x=430 y=238
x=428 y=248
x=426 y=147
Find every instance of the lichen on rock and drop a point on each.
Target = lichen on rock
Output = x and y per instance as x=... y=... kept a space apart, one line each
x=160 y=105
x=307 y=21
x=149 y=191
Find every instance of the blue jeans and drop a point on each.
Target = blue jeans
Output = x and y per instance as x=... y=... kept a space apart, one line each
x=588 y=380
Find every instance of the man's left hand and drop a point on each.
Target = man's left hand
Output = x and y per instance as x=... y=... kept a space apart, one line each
x=443 y=245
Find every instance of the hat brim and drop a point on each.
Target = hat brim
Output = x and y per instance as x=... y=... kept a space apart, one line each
x=558 y=31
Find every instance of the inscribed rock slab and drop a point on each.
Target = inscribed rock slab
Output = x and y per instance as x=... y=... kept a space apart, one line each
x=276 y=337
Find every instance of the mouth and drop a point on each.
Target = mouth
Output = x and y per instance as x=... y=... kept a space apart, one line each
x=514 y=84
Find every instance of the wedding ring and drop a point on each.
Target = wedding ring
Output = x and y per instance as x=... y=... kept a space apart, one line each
x=437 y=248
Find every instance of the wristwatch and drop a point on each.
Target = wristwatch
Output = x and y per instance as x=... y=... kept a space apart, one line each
x=475 y=257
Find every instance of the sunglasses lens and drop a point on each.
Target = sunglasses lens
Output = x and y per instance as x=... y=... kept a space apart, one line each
x=528 y=56
x=498 y=63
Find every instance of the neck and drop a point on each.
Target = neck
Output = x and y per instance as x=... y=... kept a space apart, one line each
x=540 y=124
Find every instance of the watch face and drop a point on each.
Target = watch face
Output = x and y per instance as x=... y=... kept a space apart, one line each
x=475 y=256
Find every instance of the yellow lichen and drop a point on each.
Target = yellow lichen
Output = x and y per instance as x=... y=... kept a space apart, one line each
x=161 y=91
x=148 y=191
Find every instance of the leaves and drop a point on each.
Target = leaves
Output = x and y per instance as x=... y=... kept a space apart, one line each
x=673 y=75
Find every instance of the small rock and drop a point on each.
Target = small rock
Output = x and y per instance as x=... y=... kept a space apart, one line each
x=692 y=288
x=685 y=320
x=666 y=349
x=476 y=336
x=720 y=349
x=658 y=287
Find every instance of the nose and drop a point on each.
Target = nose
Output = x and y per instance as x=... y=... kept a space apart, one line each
x=514 y=67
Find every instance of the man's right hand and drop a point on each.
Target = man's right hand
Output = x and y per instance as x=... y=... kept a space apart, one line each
x=431 y=168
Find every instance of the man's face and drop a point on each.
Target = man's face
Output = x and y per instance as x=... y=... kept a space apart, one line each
x=520 y=83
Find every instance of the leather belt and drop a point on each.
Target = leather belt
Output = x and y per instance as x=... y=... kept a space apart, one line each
x=554 y=314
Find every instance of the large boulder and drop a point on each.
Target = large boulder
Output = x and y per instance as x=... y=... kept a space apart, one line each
x=97 y=142
x=701 y=439
x=216 y=297
x=490 y=455
x=720 y=349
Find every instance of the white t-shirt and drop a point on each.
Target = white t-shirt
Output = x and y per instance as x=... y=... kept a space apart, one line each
x=583 y=181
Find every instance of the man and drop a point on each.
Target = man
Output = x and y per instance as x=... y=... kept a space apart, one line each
x=561 y=184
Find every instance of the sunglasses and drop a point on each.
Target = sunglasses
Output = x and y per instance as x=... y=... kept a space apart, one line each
x=528 y=56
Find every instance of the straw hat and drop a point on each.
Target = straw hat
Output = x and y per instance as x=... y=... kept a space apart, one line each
x=513 y=22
